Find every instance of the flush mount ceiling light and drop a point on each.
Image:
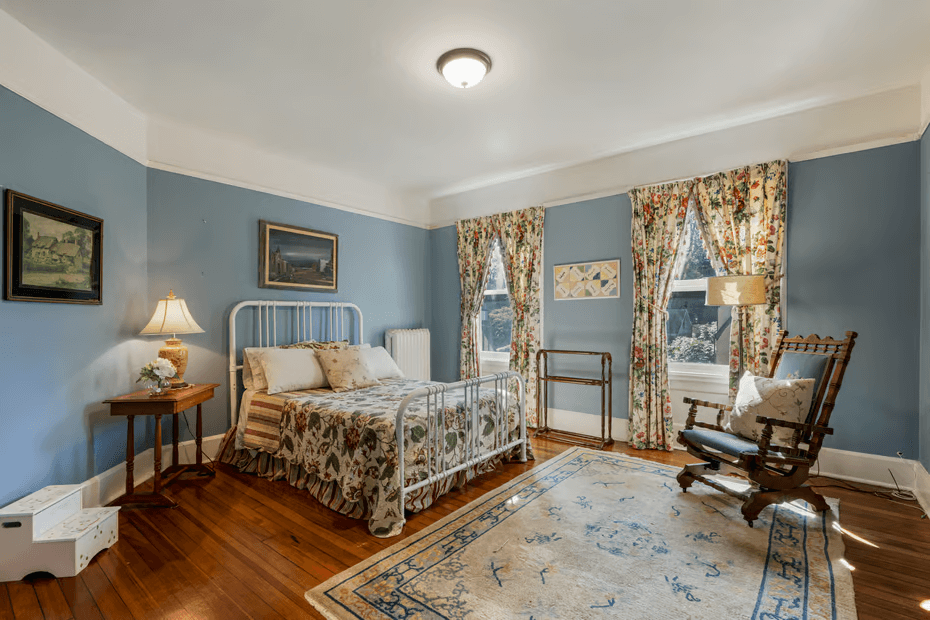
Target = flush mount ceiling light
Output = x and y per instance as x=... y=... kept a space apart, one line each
x=464 y=67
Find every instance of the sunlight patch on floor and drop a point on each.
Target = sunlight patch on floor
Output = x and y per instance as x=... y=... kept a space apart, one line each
x=837 y=527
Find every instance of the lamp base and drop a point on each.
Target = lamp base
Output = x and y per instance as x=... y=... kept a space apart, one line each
x=175 y=352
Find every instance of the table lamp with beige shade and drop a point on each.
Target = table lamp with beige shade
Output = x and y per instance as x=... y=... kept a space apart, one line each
x=738 y=291
x=172 y=317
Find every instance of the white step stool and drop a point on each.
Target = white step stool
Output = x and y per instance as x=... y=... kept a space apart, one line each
x=49 y=531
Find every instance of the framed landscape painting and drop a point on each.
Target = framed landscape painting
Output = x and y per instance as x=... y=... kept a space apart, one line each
x=295 y=258
x=51 y=253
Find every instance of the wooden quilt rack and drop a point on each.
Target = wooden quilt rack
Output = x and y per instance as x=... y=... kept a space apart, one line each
x=543 y=379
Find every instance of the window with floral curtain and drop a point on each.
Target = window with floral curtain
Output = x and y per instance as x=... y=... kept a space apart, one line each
x=521 y=236
x=741 y=214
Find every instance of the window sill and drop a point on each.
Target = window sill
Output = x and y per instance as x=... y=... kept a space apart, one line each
x=710 y=378
x=492 y=363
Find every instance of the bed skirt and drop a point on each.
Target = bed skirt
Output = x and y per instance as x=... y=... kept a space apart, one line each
x=329 y=493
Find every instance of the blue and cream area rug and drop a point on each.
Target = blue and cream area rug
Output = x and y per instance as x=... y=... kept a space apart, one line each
x=600 y=535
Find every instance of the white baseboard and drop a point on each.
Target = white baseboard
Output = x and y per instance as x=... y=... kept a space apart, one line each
x=585 y=423
x=922 y=486
x=841 y=464
x=866 y=468
x=107 y=486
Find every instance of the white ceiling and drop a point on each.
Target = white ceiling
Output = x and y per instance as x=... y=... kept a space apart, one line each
x=352 y=85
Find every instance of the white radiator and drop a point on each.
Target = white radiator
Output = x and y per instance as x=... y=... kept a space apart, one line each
x=410 y=349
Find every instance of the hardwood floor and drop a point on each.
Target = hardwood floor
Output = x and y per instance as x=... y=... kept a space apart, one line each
x=242 y=547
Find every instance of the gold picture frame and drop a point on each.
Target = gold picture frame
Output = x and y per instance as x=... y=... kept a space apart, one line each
x=296 y=258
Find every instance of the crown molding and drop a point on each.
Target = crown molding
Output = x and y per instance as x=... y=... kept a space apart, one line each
x=924 y=101
x=47 y=78
x=38 y=72
x=154 y=165
x=197 y=153
x=797 y=131
x=880 y=119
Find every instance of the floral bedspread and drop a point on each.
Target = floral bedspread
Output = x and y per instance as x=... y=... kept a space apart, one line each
x=349 y=438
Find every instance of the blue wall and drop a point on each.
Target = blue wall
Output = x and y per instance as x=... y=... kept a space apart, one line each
x=161 y=231
x=924 y=377
x=578 y=233
x=203 y=243
x=445 y=298
x=59 y=361
x=853 y=244
x=856 y=227
x=853 y=249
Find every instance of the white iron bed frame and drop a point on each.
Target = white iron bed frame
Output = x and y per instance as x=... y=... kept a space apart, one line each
x=332 y=321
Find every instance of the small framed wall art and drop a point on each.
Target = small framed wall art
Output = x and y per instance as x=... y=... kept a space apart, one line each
x=298 y=259
x=51 y=253
x=595 y=280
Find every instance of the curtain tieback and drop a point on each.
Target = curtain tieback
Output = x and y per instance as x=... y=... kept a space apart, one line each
x=662 y=310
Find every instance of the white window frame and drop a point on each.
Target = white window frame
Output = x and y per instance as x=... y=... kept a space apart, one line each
x=495 y=359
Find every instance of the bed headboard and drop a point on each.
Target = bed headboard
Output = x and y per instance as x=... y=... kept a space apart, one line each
x=268 y=323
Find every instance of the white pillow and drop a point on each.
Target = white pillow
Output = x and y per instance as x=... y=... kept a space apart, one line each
x=785 y=399
x=359 y=346
x=347 y=370
x=287 y=370
x=253 y=376
x=382 y=364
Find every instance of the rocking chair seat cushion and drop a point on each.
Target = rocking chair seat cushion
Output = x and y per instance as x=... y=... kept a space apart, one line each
x=733 y=445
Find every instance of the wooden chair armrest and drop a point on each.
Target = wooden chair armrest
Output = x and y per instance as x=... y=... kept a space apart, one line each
x=704 y=403
x=765 y=441
x=692 y=413
x=798 y=426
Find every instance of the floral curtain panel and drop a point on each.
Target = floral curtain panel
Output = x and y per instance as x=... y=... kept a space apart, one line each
x=474 y=248
x=741 y=214
x=521 y=236
x=658 y=219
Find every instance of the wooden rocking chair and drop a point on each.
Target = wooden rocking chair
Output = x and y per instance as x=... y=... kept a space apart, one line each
x=780 y=472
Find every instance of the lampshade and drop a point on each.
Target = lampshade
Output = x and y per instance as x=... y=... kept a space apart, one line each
x=464 y=67
x=735 y=291
x=172 y=317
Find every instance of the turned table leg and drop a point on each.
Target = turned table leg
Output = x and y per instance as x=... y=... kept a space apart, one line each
x=199 y=439
x=130 y=453
x=174 y=441
x=158 y=453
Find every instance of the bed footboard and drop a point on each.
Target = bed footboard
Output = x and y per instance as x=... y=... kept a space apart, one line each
x=474 y=451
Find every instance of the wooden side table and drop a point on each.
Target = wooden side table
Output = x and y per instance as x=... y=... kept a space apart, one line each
x=172 y=402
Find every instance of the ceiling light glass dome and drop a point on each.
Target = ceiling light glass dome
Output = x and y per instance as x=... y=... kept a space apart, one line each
x=464 y=67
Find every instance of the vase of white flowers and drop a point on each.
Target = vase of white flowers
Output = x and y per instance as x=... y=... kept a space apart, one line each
x=158 y=374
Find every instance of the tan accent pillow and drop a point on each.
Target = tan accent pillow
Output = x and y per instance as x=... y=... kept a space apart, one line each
x=287 y=370
x=785 y=399
x=347 y=369
x=318 y=345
